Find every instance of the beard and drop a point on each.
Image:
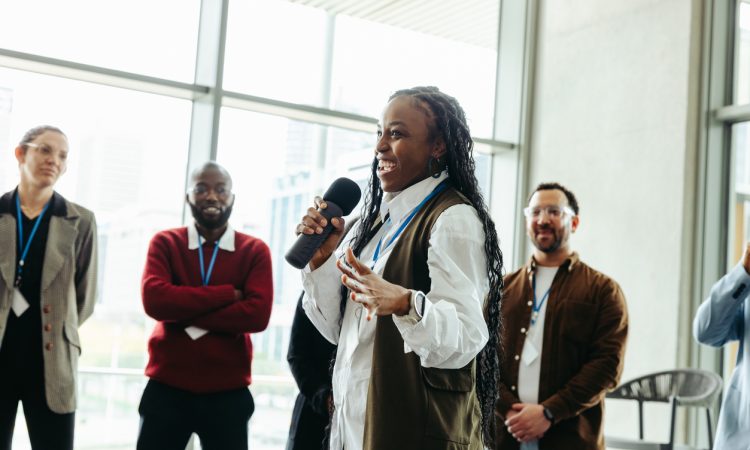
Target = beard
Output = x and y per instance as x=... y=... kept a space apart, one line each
x=554 y=245
x=211 y=223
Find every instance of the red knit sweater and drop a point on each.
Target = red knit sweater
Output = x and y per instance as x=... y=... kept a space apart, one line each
x=173 y=295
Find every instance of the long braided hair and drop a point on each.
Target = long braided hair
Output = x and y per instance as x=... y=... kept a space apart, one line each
x=449 y=123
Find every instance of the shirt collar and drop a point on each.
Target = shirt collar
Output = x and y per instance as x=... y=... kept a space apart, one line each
x=57 y=205
x=400 y=204
x=569 y=263
x=226 y=242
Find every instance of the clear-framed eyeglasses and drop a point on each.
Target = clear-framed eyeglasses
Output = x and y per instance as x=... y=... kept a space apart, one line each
x=553 y=212
x=45 y=149
x=200 y=190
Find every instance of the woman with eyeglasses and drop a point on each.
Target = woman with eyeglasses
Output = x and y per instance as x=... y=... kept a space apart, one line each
x=418 y=286
x=47 y=290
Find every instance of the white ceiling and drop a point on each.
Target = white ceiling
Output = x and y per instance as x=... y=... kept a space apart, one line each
x=470 y=21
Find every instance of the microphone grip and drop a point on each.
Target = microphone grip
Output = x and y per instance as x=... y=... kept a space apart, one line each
x=307 y=244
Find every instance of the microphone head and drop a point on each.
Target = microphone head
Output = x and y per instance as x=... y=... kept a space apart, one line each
x=345 y=193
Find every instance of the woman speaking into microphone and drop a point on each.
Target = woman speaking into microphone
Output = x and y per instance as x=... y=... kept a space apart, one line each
x=411 y=297
x=47 y=289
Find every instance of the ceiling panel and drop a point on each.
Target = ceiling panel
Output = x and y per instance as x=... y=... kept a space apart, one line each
x=470 y=21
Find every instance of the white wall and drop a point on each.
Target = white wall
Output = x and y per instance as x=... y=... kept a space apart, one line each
x=611 y=121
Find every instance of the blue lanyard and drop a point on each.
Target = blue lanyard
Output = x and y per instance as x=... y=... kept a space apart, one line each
x=537 y=307
x=439 y=188
x=207 y=276
x=24 y=250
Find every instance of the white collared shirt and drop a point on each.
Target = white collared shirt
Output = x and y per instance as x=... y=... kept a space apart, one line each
x=452 y=330
x=226 y=243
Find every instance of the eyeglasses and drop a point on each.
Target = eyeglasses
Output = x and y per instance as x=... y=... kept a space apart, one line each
x=201 y=191
x=552 y=211
x=46 y=149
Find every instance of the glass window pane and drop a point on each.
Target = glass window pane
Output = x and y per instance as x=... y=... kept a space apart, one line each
x=483 y=165
x=742 y=64
x=128 y=157
x=372 y=60
x=739 y=229
x=157 y=38
x=741 y=232
x=107 y=415
x=276 y=175
x=276 y=49
x=741 y=142
x=279 y=49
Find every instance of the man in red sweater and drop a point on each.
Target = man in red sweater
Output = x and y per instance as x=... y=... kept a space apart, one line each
x=208 y=287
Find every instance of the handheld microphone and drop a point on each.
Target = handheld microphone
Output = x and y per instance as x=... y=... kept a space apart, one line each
x=341 y=198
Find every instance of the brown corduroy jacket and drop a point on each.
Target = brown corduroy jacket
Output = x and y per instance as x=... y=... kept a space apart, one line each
x=585 y=331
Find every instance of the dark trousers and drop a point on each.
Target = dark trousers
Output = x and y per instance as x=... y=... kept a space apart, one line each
x=170 y=415
x=47 y=429
x=308 y=428
x=22 y=380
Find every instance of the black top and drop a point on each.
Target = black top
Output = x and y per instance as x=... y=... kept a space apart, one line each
x=31 y=279
x=309 y=357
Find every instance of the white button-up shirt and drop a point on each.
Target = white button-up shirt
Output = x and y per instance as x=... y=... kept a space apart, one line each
x=452 y=330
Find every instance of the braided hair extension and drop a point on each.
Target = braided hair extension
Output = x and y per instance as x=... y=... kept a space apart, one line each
x=448 y=122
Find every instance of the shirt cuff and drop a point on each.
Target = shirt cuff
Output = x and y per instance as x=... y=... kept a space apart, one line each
x=738 y=280
x=412 y=317
x=740 y=274
x=408 y=322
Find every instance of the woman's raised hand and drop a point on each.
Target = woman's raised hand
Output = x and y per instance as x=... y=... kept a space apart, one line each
x=378 y=296
x=313 y=223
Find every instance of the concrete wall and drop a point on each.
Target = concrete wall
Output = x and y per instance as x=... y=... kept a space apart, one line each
x=612 y=121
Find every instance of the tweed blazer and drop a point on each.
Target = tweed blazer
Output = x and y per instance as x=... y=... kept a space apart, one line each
x=68 y=292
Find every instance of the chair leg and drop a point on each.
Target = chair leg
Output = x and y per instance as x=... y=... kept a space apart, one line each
x=672 y=425
x=640 y=419
x=710 y=430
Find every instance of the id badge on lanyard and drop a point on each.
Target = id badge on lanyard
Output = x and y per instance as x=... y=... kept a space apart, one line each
x=19 y=304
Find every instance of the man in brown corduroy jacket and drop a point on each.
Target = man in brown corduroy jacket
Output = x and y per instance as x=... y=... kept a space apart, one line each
x=564 y=337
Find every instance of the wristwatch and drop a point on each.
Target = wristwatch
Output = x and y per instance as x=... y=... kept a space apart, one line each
x=419 y=299
x=549 y=416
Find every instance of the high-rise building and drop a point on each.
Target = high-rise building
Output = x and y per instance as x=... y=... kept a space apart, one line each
x=110 y=172
x=6 y=107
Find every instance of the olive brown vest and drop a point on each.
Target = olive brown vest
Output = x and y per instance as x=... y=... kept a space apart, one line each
x=410 y=406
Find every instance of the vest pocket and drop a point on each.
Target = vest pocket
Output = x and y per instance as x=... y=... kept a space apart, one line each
x=450 y=404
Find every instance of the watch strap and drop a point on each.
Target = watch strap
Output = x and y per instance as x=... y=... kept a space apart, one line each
x=549 y=416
